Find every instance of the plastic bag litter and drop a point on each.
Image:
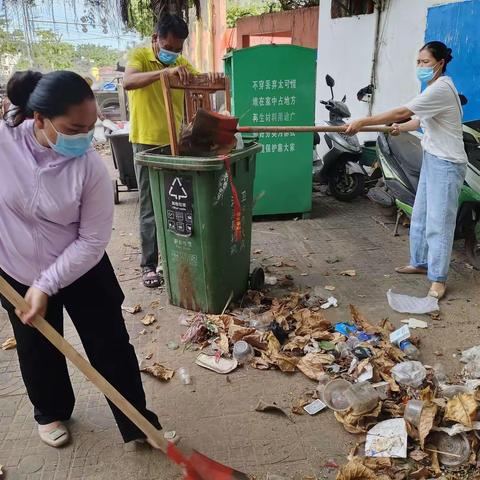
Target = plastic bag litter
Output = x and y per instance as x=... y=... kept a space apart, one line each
x=407 y=304
x=411 y=374
x=331 y=302
x=472 y=359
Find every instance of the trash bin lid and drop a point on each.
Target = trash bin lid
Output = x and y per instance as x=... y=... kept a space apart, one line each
x=152 y=159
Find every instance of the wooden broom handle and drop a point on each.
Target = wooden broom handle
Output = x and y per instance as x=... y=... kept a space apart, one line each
x=91 y=373
x=323 y=128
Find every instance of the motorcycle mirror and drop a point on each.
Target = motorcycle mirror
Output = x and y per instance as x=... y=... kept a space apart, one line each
x=463 y=99
x=330 y=82
x=344 y=99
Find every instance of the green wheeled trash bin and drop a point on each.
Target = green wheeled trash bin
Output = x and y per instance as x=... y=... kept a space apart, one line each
x=205 y=250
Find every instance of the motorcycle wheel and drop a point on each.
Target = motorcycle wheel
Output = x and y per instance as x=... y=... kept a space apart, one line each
x=472 y=246
x=345 y=186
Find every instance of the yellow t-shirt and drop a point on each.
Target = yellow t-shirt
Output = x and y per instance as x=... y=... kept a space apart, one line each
x=148 y=117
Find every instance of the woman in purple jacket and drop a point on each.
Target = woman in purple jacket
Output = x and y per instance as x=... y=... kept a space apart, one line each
x=56 y=214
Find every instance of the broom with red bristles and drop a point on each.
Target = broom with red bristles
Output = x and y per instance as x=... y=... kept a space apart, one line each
x=194 y=465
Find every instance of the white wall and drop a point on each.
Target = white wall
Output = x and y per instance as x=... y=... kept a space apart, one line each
x=346 y=47
x=345 y=51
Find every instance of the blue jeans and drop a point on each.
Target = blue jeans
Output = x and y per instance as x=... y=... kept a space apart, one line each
x=434 y=215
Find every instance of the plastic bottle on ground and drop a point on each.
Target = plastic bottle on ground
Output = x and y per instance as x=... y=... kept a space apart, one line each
x=410 y=350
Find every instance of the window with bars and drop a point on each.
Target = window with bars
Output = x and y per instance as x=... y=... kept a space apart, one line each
x=350 y=8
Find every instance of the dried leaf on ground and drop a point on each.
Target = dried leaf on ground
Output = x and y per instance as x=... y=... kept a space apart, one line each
x=273 y=345
x=427 y=419
x=256 y=340
x=377 y=463
x=419 y=474
x=260 y=364
x=159 y=371
x=355 y=470
x=359 y=423
x=361 y=321
x=330 y=288
x=311 y=323
x=312 y=364
x=133 y=310
x=285 y=363
x=236 y=333
x=223 y=344
x=418 y=455
x=349 y=273
x=148 y=319
x=297 y=343
x=9 y=344
x=297 y=408
x=462 y=409
x=435 y=464
x=393 y=408
x=263 y=406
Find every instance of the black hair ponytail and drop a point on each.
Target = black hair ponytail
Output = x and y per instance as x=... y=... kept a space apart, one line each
x=51 y=94
x=440 y=52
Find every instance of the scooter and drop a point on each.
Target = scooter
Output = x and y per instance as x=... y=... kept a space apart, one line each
x=340 y=167
x=401 y=160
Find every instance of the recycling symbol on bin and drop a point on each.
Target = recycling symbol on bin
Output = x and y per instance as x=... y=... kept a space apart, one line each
x=177 y=191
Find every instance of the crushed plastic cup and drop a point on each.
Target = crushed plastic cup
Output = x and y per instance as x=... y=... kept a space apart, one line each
x=243 y=352
x=184 y=376
x=334 y=395
x=362 y=397
x=413 y=412
x=410 y=374
x=455 y=450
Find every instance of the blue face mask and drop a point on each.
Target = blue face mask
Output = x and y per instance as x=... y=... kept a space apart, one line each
x=167 y=57
x=426 y=74
x=71 y=145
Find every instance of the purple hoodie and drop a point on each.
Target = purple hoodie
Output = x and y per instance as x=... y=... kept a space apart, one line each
x=56 y=213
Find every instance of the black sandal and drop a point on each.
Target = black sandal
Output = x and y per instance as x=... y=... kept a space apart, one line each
x=149 y=280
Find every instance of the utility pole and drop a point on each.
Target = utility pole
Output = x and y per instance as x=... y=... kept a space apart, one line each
x=29 y=32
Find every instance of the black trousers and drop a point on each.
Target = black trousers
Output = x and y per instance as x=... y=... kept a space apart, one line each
x=94 y=304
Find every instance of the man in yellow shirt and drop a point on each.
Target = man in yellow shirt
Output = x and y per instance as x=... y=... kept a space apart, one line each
x=148 y=118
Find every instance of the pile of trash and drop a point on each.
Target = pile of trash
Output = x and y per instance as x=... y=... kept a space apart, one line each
x=417 y=424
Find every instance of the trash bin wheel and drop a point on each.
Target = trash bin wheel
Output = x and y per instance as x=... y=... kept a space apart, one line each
x=116 y=197
x=257 y=279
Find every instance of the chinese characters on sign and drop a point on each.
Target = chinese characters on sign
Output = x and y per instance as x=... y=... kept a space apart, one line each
x=179 y=202
x=274 y=102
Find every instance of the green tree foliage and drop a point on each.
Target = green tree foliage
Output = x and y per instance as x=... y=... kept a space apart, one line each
x=88 y=55
x=235 y=12
x=51 y=53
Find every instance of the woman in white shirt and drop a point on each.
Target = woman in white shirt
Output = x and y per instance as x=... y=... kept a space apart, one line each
x=438 y=111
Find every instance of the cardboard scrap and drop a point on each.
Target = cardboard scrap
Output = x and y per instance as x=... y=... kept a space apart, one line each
x=148 y=319
x=133 y=310
x=9 y=344
x=159 y=371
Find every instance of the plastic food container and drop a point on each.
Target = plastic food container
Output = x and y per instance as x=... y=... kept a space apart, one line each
x=455 y=449
x=334 y=395
x=413 y=412
x=243 y=352
x=362 y=397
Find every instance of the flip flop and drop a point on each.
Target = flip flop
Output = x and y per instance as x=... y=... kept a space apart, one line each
x=223 y=365
x=58 y=437
x=410 y=270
